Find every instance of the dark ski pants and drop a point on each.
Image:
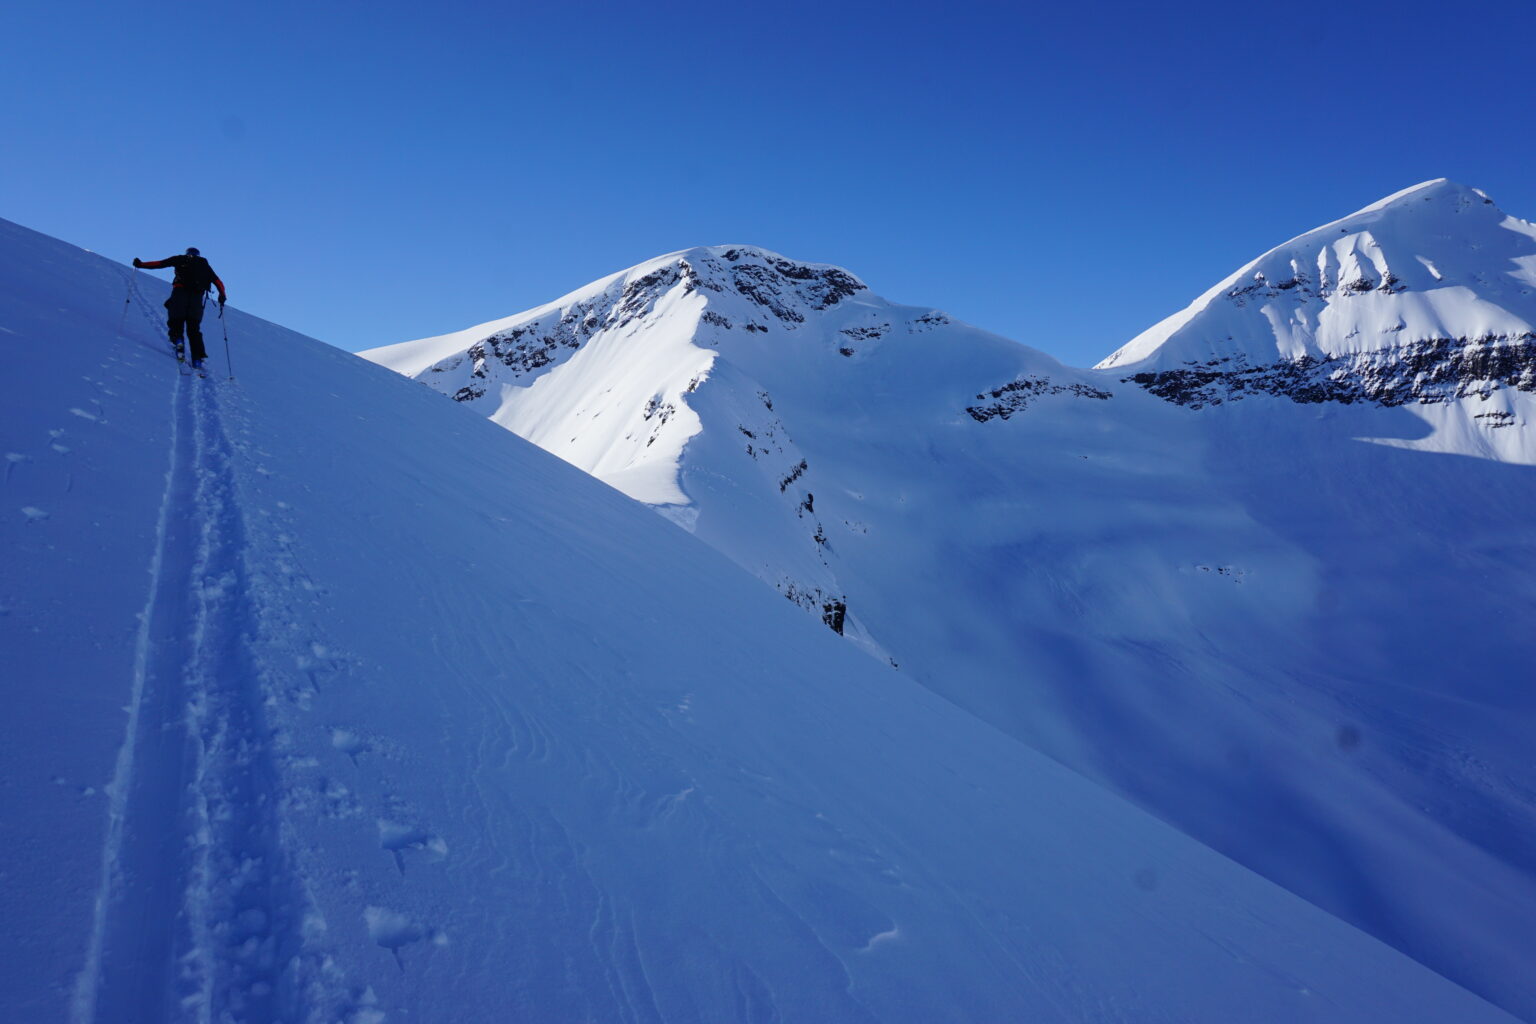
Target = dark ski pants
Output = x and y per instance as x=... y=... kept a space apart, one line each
x=184 y=310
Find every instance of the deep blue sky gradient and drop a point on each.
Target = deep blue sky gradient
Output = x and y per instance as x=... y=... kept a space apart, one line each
x=1063 y=175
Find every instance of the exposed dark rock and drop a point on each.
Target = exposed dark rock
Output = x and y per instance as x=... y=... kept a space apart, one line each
x=1427 y=372
x=1300 y=283
x=834 y=610
x=794 y=474
x=534 y=345
x=833 y=613
x=757 y=283
x=656 y=407
x=773 y=285
x=1016 y=395
x=640 y=295
x=865 y=333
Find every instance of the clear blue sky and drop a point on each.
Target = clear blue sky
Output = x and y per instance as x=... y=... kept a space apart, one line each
x=372 y=173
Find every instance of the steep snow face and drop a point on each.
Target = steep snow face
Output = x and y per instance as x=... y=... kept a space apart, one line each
x=572 y=376
x=619 y=378
x=1424 y=298
x=1246 y=619
x=329 y=701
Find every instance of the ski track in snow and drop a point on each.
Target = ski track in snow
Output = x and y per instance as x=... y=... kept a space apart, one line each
x=109 y=895
x=194 y=803
x=241 y=898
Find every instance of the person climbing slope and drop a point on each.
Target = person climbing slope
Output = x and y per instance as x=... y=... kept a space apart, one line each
x=184 y=309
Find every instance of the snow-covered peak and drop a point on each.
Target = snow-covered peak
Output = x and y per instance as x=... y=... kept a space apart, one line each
x=1436 y=261
x=787 y=290
x=599 y=376
x=708 y=365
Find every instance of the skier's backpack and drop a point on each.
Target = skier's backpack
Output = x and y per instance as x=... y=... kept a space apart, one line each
x=195 y=274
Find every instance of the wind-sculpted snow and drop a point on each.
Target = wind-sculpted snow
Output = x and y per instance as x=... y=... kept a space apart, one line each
x=330 y=701
x=1292 y=625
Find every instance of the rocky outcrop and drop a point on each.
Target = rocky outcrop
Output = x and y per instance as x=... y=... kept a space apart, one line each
x=1016 y=395
x=530 y=347
x=1427 y=372
x=833 y=608
x=779 y=285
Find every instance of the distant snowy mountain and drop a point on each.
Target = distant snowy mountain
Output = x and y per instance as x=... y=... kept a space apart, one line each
x=1272 y=622
x=329 y=701
x=1426 y=298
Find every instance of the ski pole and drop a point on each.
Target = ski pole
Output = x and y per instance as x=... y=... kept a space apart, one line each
x=225 y=324
x=122 y=321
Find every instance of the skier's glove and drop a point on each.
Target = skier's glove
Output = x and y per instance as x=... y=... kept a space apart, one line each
x=138 y=262
x=221 y=301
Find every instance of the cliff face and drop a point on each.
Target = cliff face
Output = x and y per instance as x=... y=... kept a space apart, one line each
x=1429 y=372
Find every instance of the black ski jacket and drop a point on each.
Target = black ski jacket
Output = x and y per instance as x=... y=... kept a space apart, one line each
x=192 y=272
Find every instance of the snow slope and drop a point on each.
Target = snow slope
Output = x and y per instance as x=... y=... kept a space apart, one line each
x=330 y=701
x=1308 y=651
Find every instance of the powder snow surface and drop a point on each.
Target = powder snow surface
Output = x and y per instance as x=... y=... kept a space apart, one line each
x=330 y=701
x=1299 y=631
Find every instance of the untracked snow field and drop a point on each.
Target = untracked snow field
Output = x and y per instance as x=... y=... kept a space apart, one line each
x=329 y=701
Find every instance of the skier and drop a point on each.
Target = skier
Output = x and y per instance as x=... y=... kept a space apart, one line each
x=184 y=309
